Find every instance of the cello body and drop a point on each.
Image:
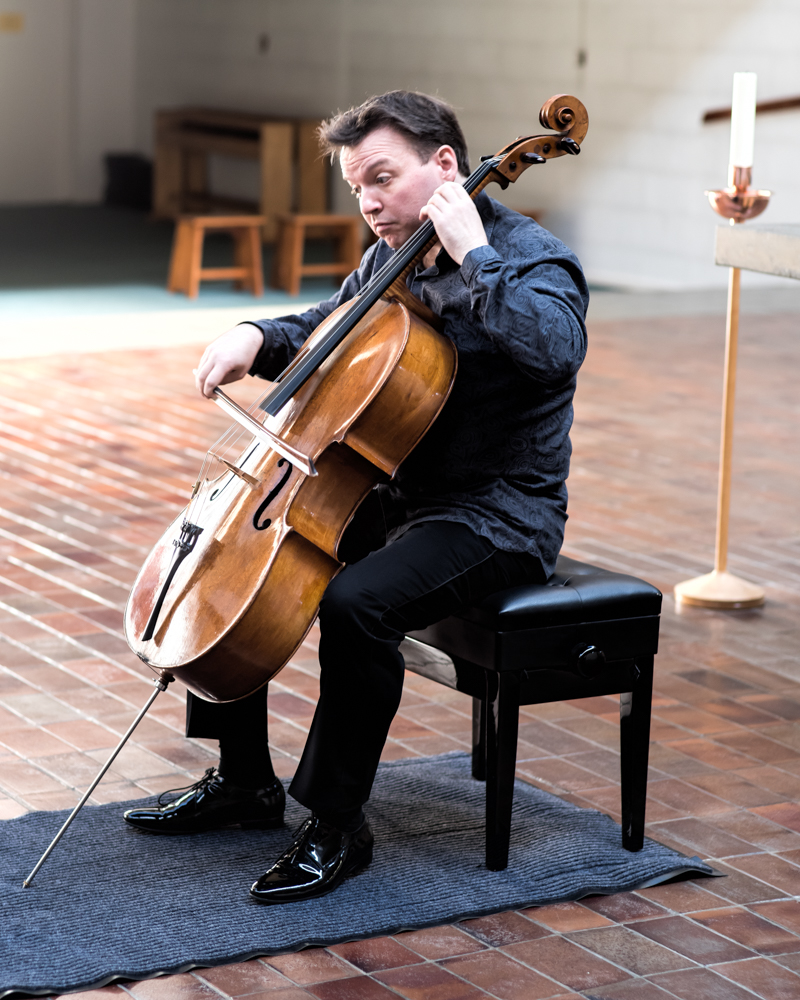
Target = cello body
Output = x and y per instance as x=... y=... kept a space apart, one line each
x=238 y=609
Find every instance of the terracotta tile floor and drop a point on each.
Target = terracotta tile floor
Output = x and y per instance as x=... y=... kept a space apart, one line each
x=97 y=452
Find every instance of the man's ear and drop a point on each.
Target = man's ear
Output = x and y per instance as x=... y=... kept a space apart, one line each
x=447 y=161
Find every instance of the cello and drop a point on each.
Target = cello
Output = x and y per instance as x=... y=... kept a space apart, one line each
x=228 y=594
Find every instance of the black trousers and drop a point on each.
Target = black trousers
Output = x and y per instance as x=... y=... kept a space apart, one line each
x=420 y=578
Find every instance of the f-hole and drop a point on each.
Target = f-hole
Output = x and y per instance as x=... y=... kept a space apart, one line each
x=269 y=498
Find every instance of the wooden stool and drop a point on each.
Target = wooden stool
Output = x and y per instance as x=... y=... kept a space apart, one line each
x=288 y=266
x=186 y=269
x=586 y=632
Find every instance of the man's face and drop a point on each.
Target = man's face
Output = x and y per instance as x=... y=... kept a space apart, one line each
x=392 y=184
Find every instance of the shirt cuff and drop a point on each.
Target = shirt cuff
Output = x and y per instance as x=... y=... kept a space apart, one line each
x=475 y=259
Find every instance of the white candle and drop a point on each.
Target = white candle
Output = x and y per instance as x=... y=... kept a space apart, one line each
x=743 y=119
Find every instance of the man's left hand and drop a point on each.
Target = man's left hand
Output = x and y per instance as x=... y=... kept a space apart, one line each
x=456 y=220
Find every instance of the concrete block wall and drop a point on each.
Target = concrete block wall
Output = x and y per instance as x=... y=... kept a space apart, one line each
x=631 y=205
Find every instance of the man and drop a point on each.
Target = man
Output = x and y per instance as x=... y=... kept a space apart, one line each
x=479 y=506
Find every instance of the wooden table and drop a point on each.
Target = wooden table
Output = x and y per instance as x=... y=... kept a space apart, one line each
x=294 y=176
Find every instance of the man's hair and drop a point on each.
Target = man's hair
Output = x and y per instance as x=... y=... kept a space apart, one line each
x=426 y=122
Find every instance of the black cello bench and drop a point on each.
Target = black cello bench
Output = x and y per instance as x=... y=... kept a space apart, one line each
x=586 y=632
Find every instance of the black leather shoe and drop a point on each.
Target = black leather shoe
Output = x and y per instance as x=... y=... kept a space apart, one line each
x=210 y=804
x=320 y=858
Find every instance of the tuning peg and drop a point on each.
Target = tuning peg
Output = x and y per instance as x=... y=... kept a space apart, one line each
x=568 y=146
x=532 y=158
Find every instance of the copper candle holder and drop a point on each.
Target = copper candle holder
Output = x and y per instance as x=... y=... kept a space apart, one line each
x=739 y=201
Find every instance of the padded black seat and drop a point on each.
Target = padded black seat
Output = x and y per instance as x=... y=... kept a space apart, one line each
x=586 y=632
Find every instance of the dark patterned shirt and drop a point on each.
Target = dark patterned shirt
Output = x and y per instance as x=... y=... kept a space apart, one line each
x=497 y=457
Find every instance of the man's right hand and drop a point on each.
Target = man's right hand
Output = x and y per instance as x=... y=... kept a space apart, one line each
x=228 y=358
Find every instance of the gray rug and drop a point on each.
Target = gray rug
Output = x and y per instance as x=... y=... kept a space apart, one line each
x=113 y=902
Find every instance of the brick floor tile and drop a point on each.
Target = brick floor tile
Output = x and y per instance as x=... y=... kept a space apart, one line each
x=701 y=984
x=23 y=778
x=770 y=869
x=290 y=706
x=180 y=752
x=73 y=768
x=758 y=830
x=134 y=762
x=791 y=962
x=179 y=987
x=632 y=989
x=564 y=917
x=785 y=912
x=375 y=954
x=243 y=978
x=750 y=930
x=428 y=982
x=683 y=897
x=631 y=951
x=97 y=671
x=551 y=739
x=784 y=708
x=83 y=734
x=432 y=744
x=691 y=718
x=745 y=713
x=566 y=963
x=785 y=813
x=691 y=940
x=711 y=753
x=776 y=779
x=359 y=988
x=281 y=993
x=737 y=887
x=599 y=761
x=764 y=978
x=502 y=977
x=498 y=929
x=63 y=799
x=704 y=836
x=757 y=745
x=439 y=942
x=623 y=907
x=39 y=708
x=32 y=741
x=312 y=965
x=602 y=731
x=561 y=773
x=9 y=809
x=607 y=800
x=109 y=791
x=733 y=788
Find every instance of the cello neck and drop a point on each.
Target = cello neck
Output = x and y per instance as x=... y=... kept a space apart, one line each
x=395 y=270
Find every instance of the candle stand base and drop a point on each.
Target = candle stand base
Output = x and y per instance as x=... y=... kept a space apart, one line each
x=719 y=590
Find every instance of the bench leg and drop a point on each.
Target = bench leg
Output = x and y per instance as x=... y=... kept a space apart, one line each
x=502 y=726
x=634 y=740
x=478 y=739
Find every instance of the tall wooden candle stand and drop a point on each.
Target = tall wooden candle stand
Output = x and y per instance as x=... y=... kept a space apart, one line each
x=719 y=588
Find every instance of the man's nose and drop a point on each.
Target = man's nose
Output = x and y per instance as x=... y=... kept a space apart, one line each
x=370 y=203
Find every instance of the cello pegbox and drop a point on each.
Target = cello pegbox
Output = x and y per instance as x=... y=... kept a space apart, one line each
x=569 y=119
